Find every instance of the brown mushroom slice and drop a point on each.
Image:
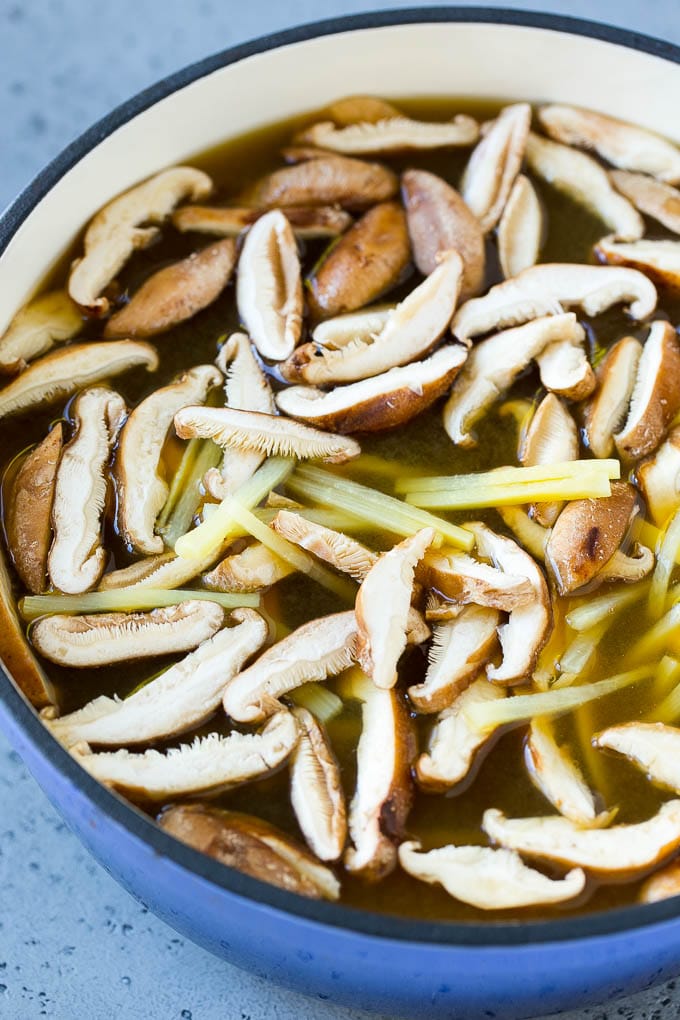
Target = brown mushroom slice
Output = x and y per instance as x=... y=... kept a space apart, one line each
x=619 y=852
x=251 y=846
x=521 y=228
x=464 y=579
x=438 y=221
x=628 y=568
x=367 y=261
x=323 y=179
x=659 y=479
x=495 y=163
x=176 y=293
x=355 y=327
x=356 y=109
x=552 y=438
x=606 y=412
x=62 y=373
x=653 y=747
x=662 y=884
x=557 y=776
x=77 y=558
x=36 y=328
x=493 y=365
x=488 y=879
x=207 y=764
x=140 y=489
x=393 y=134
x=28 y=511
x=15 y=653
x=548 y=288
x=453 y=743
x=528 y=626
x=117 y=230
x=587 y=534
x=316 y=651
x=340 y=551
x=620 y=143
x=382 y=608
x=583 y=179
x=459 y=649
x=165 y=571
x=411 y=331
x=316 y=792
x=417 y=629
x=269 y=286
x=656 y=394
x=81 y=642
x=308 y=222
x=651 y=197
x=565 y=370
x=253 y=569
x=660 y=260
x=381 y=402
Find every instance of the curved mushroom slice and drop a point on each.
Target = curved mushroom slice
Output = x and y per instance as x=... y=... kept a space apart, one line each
x=620 y=143
x=410 y=332
x=181 y=698
x=552 y=438
x=368 y=260
x=323 y=179
x=382 y=608
x=308 y=222
x=269 y=286
x=587 y=534
x=659 y=479
x=651 y=197
x=493 y=166
x=521 y=228
x=165 y=571
x=253 y=569
x=528 y=626
x=356 y=109
x=622 y=851
x=438 y=221
x=104 y=638
x=529 y=533
x=341 y=551
x=116 y=231
x=660 y=260
x=15 y=653
x=565 y=370
x=583 y=179
x=140 y=489
x=661 y=885
x=656 y=394
x=354 y=327
x=316 y=790
x=251 y=846
x=460 y=648
x=209 y=763
x=176 y=293
x=61 y=374
x=558 y=778
x=548 y=288
x=494 y=364
x=77 y=559
x=316 y=651
x=36 y=328
x=29 y=509
x=488 y=879
x=266 y=434
x=453 y=743
x=393 y=134
x=464 y=579
x=653 y=747
x=606 y=412
x=630 y=568
x=381 y=402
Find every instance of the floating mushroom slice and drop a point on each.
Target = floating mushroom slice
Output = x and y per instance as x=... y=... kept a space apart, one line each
x=319 y=649
x=628 y=568
x=354 y=327
x=495 y=164
x=662 y=884
x=464 y=579
x=308 y=222
x=453 y=743
x=493 y=365
x=368 y=260
x=176 y=293
x=620 y=143
x=622 y=851
x=361 y=109
x=29 y=510
x=565 y=370
x=382 y=607
x=653 y=747
x=104 y=638
x=77 y=559
x=660 y=260
x=15 y=653
x=316 y=790
x=36 y=328
x=140 y=489
x=521 y=228
x=118 y=230
x=460 y=649
x=165 y=571
x=253 y=569
x=528 y=626
x=583 y=179
x=410 y=332
x=393 y=134
x=488 y=879
x=552 y=438
x=438 y=221
x=251 y=846
x=382 y=402
x=651 y=197
x=587 y=534
x=209 y=763
x=605 y=413
x=62 y=373
x=656 y=394
x=323 y=179
x=557 y=776
x=659 y=479
x=340 y=551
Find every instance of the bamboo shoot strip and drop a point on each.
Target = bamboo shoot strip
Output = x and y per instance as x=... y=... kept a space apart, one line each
x=600 y=608
x=127 y=600
x=666 y=558
x=500 y=477
x=668 y=711
x=655 y=640
x=588 y=486
x=317 y=699
x=185 y=491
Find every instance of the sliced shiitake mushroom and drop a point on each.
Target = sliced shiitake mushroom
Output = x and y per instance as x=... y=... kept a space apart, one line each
x=323 y=179
x=308 y=222
x=653 y=747
x=552 y=438
x=493 y=166
x=15 y=654
x=557 y=776
x=628 y=567
x=393 y=134
x=254 y=568
x=358 y=109
x=606 y=412
x=659 y=479
x=36 y=328
x=662 y=884
x=360 y=327
x=660 y=260
x=466 y=580
x=656 y=394
x=651 y=197
x=521 y=228
x=316 y=790
x=564 y=369
x=341 y=551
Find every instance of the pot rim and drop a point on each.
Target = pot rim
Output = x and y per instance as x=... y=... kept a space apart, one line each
x=141 y=826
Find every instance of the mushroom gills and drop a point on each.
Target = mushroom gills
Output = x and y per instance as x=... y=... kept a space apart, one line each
x=338 y=550
x=316 y=791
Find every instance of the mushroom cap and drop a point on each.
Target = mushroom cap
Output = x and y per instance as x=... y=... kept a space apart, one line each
x=324 y=179
x=341 y=551
x=521 y=229
x=653 y=747
x=605 y=413
x=659 y=479
x=391 y=134
x=15 y=653
x=651 y=197
x=316 y=789
x=495 y=163
x=36 y=328
x=660 y=260
x=656 y=394
x=558 y=777
x=308 y=222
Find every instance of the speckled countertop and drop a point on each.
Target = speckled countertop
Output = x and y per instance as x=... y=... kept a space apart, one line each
x=72 y=943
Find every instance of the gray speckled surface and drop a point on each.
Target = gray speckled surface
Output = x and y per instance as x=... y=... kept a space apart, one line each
x=72 y=943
